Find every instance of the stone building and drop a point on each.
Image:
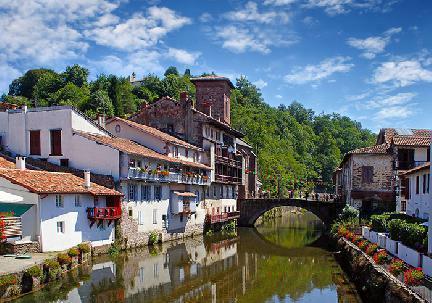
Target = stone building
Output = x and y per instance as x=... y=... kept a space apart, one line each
x=370 y=178
x=206 y=123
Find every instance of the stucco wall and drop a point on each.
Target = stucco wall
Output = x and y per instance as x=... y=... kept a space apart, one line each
x=420 y=201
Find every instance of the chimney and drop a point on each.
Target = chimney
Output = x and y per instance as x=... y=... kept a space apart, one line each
x=24 y=109
x=20 y=163
x=101 y=119
x=87 y=179
x=183 y=96
x=132 y=77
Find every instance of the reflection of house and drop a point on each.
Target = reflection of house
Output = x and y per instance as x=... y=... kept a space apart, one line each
x=206 y=124
x=249 y=186
x=370 y=177
x=417 y=182
x=59 y=210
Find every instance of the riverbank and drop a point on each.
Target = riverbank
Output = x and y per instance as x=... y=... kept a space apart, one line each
x=374 y=284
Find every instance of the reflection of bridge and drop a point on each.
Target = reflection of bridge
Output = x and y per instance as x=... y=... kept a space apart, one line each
x=252 y=209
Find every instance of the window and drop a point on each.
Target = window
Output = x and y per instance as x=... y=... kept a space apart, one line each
x=145 y=192
x=60 y=227
x=64 y=162
x=77 y=201
x=233 y=193
x=155 y=216
x=417 y=185
x=130 y=212
x=175 y=152
x=195 y=157
x=170 y=128
x=214 y=191
x=132 y=192
x=140 y=218
x=367 y=174
x=164 y=221
x=181 y=218
x=424 y=183
x=55 y=135
x=35 y=147
x=403 y=206
x=59 y=201
x=158 y=193
x=197 y=198
x=218 y=136
x=428 y=183
x=117 y=128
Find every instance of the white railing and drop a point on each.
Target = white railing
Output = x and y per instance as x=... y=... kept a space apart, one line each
x=137 y=173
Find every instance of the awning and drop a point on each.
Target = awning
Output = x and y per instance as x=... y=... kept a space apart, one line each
x=6 y=197
x=18 y=209
x=184 y=194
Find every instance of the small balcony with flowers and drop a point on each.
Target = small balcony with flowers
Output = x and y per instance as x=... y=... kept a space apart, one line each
x=183 y=202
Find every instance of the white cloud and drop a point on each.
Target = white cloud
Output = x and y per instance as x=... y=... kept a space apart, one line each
x=372 y=46
x=279 y=2
x=140 y=31
x=401 y=73
x=315 y=73
x=260 y=83
x=183 y=56
x=390 y=101
x=205 y=17
x=336 y=7
x=359 y=96
x=251 y=13
x=395 y=112
x=278 y=96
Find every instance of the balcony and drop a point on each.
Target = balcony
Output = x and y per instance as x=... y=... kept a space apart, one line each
x=406 y=165
x=171 y=177
x=228 y=179
x=10 y=227
x=224 y=217
x=228 y=161
x=103 y=213
x=183 y=207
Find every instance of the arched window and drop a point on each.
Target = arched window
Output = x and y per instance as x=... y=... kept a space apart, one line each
x=117 y=128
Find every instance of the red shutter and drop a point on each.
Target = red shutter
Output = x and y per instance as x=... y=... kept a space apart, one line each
x=35 y=147
x=56 y=142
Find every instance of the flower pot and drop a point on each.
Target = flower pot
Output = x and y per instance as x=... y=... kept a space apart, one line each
x=427 y=265
x=373 y=236
x=409 y=255
x=365 y=232
x=392 y=246
x=382 y=237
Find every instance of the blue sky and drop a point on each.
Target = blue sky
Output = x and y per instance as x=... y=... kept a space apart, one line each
x=368 y=59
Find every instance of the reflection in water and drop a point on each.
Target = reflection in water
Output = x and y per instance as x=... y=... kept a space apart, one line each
x=270 y=264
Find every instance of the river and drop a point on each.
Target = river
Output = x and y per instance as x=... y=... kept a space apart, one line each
x=282 y=260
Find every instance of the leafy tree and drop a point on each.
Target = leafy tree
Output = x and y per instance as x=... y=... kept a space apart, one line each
x=143 y=93
x=128 y=99
x=172 y=70
x=76 y=74
x=187 y=72
x=24 y=85
x=47 y=85
x=18 y=100
x=99 y=103
x=72 y=95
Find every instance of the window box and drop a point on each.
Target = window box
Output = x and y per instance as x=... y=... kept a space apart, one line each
x=392 y=246
x=373 y=236
x=382 y=238
x=365 y=232
x=409 y=255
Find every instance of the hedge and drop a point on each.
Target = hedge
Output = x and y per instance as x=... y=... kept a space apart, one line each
x=410 y=234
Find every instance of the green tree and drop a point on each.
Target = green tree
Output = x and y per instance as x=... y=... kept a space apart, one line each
x=143 y=93
x=47 y=85
x=71 y=95
x=24 y=85
x=76 y=74
x=18 y=100
x=99 y=103
x=172 y=70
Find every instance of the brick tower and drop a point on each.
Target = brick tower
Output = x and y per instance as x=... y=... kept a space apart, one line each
x=213 y=96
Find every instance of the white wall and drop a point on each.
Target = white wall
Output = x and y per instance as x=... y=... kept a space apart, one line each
x=420 y=154
x=421 y=201
x=77 y=226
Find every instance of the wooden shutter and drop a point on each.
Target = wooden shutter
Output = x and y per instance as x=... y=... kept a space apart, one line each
x=56 y=149
x=35 y=147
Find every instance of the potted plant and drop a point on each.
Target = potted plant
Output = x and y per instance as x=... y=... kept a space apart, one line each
x=64 y=261
x=73 y=253
x=413 y=276
x=9 y=286
x=52 y=269
x=381 y=257
x=32 y=278
x=397 y=267
x=371 y=249
x=85 y=250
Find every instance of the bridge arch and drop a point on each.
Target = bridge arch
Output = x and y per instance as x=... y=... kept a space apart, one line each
x=252 y=209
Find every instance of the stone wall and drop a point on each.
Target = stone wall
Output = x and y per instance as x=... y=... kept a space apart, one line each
x=373 y=283
x=19 y=248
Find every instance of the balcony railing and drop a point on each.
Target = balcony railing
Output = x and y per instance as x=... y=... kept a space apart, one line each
x=10 y=227
x=183 y=207
x=228 y=161
x=405 y=165
x=137 y=173
x=104 y=213
x=222 y=217
x=227 y=179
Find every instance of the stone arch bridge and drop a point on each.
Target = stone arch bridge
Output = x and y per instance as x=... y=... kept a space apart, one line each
x=252 y=209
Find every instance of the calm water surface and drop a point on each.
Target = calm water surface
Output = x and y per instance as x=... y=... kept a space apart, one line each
x=283 y=260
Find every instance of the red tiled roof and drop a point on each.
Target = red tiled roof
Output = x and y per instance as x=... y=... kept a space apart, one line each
x=43 y=182
x=4 y=163
x=155 y=132
x=390 y=133
x=133 y=148
x=376 y=149
x=425 y=166
x=212 y=78
x=412 y=141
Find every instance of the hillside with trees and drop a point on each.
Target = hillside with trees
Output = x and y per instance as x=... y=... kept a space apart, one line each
x=296 y=147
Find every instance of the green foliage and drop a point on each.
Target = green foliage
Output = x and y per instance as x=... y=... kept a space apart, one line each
x=172 y=70
x=24 y=85
x=35 y=271
x=84 y=248
x=8 y=280
x=73 y=252
x=410 y=234
x=229 y=229
x=76 y=74
x=114 y=250
x=18 y=100
x=379 y=222
x=51 y=264
x=349 y=213
x=153 y=238
x=64 y=259
x=71 y=95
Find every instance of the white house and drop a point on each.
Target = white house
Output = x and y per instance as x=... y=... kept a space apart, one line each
x=418 y=183
x=61 y=209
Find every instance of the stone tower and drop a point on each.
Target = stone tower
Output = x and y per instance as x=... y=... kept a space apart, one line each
x=213 y=96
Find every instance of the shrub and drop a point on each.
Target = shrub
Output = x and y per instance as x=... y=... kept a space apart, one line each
x=395 y=228
x=356 y=239
x=8 y=280
x=371 y=249
x=379 y=222
x=413 y=276
x=114 y=250
x=381 y=257
x=396 y=267
x=35 y=271
x=153 y=238
x=52 y=264
x=363 y=244
x=84 y=248
x=413 y=235
x=342 y=231
x=63 y=259
x=349 y=213
x=73 y=252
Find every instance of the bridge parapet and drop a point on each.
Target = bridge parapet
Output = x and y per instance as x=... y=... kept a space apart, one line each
x=252 y=209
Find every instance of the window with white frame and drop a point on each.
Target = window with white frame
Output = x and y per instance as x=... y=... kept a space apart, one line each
x=140 y=217
x=145 y=192
x=158 y=193
x=78 y=201
x=132 y=192
x=60 y=227
x=59 y=201
x=155 y=216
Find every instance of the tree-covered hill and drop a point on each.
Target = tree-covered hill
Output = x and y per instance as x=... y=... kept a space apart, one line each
x=295 y=146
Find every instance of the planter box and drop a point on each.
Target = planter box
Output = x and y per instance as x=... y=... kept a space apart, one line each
x=427 y=265
x=365 y=232
x=382 y=237
x=409 y=255
x=373 y=236
x=392 y=246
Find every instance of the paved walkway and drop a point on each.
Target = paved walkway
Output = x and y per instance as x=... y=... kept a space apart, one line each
x=12 y=265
